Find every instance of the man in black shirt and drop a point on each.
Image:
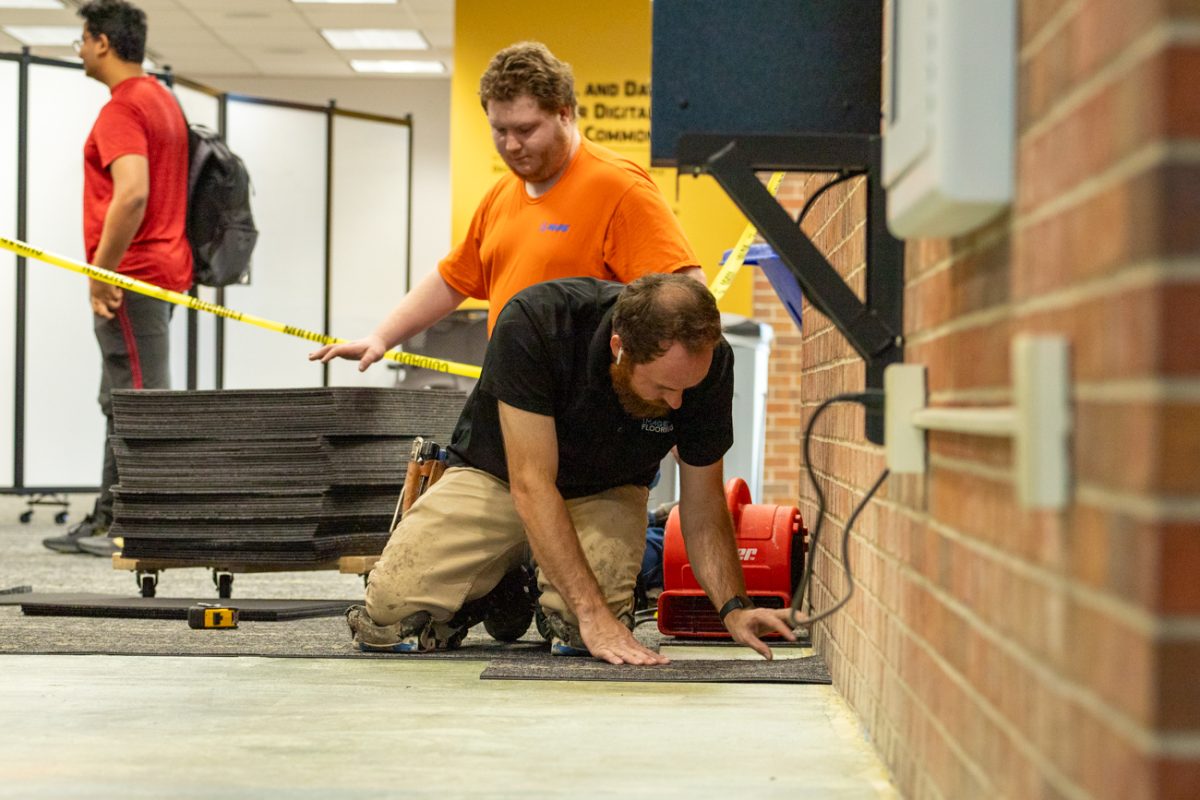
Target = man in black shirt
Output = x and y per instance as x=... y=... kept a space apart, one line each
x=586 y=385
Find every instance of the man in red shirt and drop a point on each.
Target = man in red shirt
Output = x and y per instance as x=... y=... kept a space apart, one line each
x=134 y=212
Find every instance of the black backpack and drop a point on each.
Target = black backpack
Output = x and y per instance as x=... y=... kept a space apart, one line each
x=220 y=225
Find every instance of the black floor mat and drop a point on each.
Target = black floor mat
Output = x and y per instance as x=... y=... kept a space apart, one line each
x=91 y=605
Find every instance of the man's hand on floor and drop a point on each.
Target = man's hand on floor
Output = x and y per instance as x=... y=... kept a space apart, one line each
x=609 y=640
x=747 y=624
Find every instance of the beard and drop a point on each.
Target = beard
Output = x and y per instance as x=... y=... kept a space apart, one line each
x=634 y=404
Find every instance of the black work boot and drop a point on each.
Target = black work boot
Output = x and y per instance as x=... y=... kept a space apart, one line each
x=69 y=541
x=506 y=611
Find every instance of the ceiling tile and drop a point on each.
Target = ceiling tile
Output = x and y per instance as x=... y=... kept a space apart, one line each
x=260 y=37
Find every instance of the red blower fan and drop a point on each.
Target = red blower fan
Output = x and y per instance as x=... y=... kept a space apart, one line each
x=771 y=543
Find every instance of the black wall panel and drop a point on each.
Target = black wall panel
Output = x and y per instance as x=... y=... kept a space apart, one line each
x=763 y=66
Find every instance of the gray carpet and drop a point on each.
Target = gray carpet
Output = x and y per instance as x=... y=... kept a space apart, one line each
x=528 y=659
x=326 y=637
x=26 y=563
x=549 y=668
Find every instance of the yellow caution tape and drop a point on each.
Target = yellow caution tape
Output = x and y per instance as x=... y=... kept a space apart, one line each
x=179 y=299
x=724 y=279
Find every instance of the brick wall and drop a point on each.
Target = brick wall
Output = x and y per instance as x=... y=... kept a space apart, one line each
x=991 y=651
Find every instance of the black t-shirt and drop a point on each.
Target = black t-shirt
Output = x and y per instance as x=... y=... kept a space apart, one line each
x=549 y=355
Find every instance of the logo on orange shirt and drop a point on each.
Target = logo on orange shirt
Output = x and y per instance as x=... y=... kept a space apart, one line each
x=554 y=227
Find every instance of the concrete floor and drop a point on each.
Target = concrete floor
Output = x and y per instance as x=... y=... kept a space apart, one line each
x=117 y=726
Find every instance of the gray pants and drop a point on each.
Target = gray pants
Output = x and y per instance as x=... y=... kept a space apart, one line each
x=135 y=351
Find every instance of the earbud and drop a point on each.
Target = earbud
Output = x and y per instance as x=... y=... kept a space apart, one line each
x=620 y=352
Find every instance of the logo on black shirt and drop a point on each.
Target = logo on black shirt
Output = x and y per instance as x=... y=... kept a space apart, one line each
x=657 y=425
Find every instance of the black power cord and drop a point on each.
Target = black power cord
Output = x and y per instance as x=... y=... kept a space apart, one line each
x=869 y=397
x=840 y=178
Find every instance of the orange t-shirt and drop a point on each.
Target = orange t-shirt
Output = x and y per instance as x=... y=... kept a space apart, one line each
x=605 y=218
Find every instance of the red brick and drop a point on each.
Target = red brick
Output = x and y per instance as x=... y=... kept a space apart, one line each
x=1118 y=555
x=1113 y=445
x=1114 y=122
x=1178 y=590
x=1183 y=93
x=1113 y=660
x=1116 y=336
x=1180 y=335
x=1178 y=685
x=1178 y=779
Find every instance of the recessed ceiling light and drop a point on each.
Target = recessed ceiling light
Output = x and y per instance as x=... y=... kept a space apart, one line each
x=375 y=39
x=31 y=4
x=394 y=67
x=44 y=34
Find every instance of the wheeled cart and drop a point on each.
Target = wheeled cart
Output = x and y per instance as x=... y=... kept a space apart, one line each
x=146 y=571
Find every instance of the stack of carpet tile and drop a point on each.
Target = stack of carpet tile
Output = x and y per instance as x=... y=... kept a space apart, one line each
x=293 y=477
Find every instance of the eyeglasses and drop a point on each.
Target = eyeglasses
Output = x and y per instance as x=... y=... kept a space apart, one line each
x=77 y=45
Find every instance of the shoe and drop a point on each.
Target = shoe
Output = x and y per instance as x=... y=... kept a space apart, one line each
x=565 y=639
x=413 y=634
x=103 y=546
x=69 y=542
x=558 y=647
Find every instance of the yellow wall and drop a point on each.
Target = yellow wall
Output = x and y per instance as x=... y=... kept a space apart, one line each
x=608 y=46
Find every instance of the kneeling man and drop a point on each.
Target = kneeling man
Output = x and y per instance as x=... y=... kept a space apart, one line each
x=586 y=385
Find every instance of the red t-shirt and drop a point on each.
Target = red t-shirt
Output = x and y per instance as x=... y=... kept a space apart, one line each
x=142 y=118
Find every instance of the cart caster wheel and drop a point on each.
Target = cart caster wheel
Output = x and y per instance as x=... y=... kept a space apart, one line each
x=224 y=582
x=148 y=583
x=60 y=517
x=26 y=516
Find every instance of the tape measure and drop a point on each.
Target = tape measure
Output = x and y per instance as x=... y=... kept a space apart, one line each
x=719 y=287
x=211 y=615
x=180 y=299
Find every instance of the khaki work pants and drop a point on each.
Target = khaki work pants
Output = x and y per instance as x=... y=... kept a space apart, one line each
x=463 y=535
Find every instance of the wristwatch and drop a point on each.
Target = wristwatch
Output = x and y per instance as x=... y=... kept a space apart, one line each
x=735 y=602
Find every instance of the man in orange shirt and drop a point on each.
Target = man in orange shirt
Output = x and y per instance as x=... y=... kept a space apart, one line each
x=568 y=208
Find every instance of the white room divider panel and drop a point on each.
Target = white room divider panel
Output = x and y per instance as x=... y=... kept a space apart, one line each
x=369 y=234
x=204 y=109
x=286 y=148
x=9 y=77
x=285 y=152
x=64 y=429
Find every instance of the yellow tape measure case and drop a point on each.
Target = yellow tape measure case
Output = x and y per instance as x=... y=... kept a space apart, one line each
x=212 y=616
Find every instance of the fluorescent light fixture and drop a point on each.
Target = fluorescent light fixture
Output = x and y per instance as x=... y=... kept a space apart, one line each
x=45 y=34
x=31 y=4
x=395 y=67
x=375 y=39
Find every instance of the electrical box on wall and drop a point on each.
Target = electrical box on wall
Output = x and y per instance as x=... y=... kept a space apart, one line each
x=949 y=114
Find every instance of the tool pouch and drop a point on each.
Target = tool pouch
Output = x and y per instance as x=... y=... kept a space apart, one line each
x=426 y=464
